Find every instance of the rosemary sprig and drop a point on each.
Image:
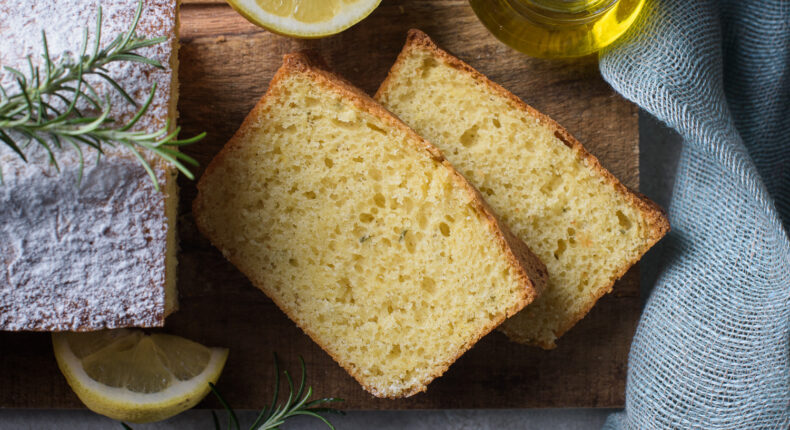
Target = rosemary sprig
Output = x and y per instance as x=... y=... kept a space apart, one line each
x=30 y=114
x=275 y=415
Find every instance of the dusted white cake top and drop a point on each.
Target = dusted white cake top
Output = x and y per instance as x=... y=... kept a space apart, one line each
x=93 y=256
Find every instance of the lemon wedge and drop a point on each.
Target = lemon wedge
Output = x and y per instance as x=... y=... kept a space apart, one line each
x=130 y=376
x=304 y=18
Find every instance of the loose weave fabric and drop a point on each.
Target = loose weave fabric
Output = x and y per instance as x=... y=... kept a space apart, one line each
x=711 y=350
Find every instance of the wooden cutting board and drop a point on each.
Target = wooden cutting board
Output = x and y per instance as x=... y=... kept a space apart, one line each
x=226 y=64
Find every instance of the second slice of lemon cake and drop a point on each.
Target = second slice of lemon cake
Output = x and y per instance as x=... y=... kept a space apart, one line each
x=579 y=219
x=361 y=232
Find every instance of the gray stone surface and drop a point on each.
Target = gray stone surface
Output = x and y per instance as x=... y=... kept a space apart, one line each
x=659 y=148
x=555 y=419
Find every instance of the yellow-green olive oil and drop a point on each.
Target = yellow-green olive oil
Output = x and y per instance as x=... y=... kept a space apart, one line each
x=557 y=28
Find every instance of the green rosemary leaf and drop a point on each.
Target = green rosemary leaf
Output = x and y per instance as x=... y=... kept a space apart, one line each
x=19 y=122
x=11 y=115
x=276 y=382
x=56 y=139
x=84 y=44
x=118 y=87
x=290 y=388
x=66 y=102
x=10 y=142
x=142 y=110
x=168 y=138
x=259 y=419
x=145 y=164
x=177 y=155
x=32 y=71
x=78 y=93
x=47 y=60
x=90 y=126
x=130 y=33
x=98 y=159
x=3 y=97
x=187 y=159
x=91 y=90
x=69 y=121
x=97 y=36
x=232 y=419
x=88 y=91
x=144 y=43
x=174 y=159
x=48 y=107
x=16 y=72
x=188 y=141
x=82 y=161
x=114 y=43
x=29 y=105
x=142 y=136
x=92 y=142
x=300 y=404
x=43 y=143
x=302 y=381
x=139 y=59
x=216 y=420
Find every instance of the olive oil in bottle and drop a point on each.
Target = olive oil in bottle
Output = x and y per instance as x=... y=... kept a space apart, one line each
x=557 y=28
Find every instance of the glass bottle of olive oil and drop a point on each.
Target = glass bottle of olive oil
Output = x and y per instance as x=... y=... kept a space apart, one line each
x=557 y=28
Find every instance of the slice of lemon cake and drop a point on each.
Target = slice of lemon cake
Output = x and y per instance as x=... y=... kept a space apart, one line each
x=579 y=219
x=361 y=232
x=101 y=254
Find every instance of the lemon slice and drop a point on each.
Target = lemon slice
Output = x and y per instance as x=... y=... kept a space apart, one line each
x=305 y=18
x=130 y=376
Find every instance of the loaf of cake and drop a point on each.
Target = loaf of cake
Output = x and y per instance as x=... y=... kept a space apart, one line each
x=361 y=232
x=585 y=225
x=101 y=253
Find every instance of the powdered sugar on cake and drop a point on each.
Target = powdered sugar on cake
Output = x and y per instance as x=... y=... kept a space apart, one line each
x=93 y=256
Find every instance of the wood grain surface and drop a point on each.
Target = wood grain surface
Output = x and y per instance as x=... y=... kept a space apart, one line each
x=226 y=64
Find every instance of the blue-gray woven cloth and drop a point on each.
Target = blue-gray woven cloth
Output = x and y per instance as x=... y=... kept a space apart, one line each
x=712 y=347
